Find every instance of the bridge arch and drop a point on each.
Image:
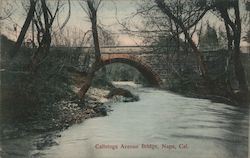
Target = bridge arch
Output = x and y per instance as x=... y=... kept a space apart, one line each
x=147 y=72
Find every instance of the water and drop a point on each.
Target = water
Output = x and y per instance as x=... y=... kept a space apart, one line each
x=169 y=125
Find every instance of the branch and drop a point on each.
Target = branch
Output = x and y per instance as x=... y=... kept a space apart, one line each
x=225 y=16
x=68 y=16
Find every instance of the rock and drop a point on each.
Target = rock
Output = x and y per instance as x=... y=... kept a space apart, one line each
x=129 y=97
x=135 y=98
x=93 y=104
x=101 y=110
x=120 y=92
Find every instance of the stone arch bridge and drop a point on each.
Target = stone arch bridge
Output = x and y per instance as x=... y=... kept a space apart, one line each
x=152 y=64
x=139 y=62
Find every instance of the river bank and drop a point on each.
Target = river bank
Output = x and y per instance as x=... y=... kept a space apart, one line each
x=58 y=116
x=63 y=114
x=216 y=93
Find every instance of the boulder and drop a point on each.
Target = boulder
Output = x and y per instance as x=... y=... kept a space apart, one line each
x=124 y=93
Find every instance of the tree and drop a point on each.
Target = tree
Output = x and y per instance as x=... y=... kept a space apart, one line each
x=25 y=27
x=209 y=38
x=232 y=22
x=105 y=37
x=195 y=16
x=40 y=13
x=91 y=10
x=43 y=20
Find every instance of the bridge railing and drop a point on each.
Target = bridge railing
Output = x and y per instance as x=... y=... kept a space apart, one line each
x=135 y=49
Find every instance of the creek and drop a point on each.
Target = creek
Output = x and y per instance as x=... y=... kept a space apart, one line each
x=160 y=124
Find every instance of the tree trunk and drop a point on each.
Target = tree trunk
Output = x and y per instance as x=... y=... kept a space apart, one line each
x=239 y=69
x=239 y=72
x=97 y=63
x=25 y=27
x=86 y=85
x=41 y=53
x=229 y=57
x=93 y=18
x=234 y=37
x=199 y=55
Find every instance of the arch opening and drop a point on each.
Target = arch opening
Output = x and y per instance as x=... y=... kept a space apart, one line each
x=152 y=78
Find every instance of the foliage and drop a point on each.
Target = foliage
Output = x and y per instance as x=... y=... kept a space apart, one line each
x=222 y=38
x=44 y=87
x=208 y=39
x=187 y=83
x=123 y=72
x=247 y=37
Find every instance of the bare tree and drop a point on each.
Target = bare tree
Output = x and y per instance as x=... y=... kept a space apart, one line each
x=106 y=38
x=197 y=14
x=91 y=10
x=43 y=20
x=25 y=27
x=232 y=22
x=40 y=13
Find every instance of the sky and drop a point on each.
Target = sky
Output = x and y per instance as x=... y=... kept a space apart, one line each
x=109 y=13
